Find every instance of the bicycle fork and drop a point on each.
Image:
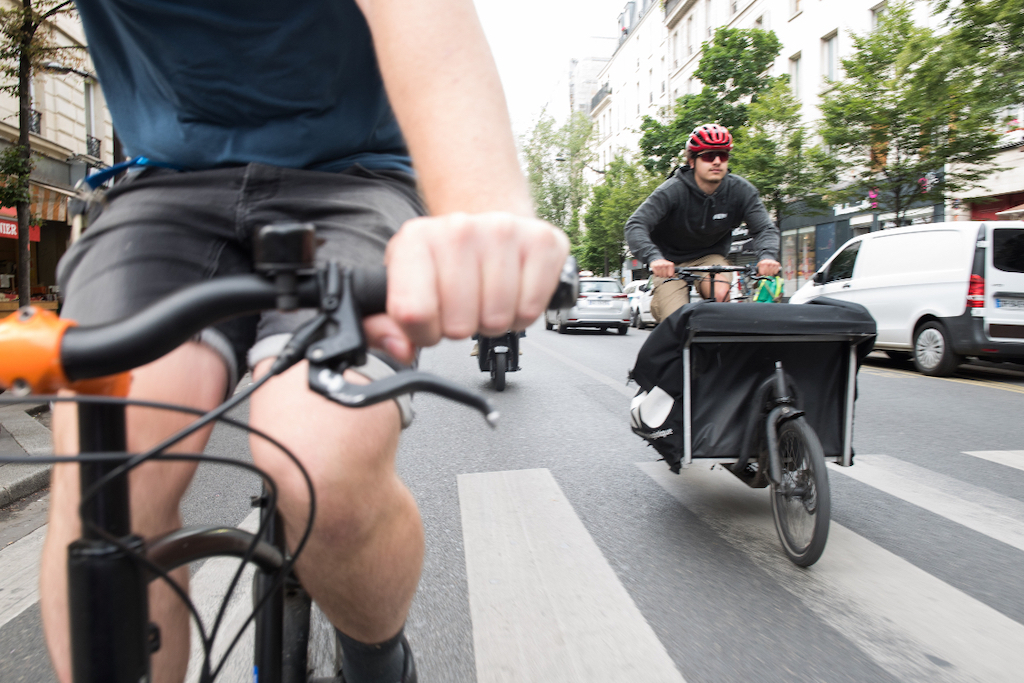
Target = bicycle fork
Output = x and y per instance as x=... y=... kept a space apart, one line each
x=782 y=411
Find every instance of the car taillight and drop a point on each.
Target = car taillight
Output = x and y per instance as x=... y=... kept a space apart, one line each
x=976 y=292
x=619 y=296
x=582 y=296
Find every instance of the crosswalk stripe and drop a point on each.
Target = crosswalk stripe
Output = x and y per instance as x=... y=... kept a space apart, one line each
x=545 y=604
x=912 y=624
x=19 y=575
x=976 y=508
x=1008 y=458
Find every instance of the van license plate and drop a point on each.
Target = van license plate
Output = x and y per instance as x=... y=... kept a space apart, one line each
x=1010 y=303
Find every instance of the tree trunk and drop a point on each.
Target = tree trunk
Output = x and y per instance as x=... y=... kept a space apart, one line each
x=25 y=118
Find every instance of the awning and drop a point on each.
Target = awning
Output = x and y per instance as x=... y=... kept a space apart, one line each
x=1014 y=213
x=49 y=203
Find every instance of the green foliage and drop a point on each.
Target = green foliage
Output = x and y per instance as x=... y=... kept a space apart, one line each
x=772 y=151
x=624 y=188
x=733 y=70
x=907 y=107
x=982 y=38
x=14 y=173
x=23 y=32
x=555 y=160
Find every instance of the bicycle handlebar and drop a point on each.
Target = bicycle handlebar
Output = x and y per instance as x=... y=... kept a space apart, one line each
x=102 y=350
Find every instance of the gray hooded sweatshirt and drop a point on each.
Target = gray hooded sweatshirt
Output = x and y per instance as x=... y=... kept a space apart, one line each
x=680 y=223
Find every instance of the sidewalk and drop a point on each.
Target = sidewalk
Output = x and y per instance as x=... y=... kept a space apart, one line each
x=22 y=434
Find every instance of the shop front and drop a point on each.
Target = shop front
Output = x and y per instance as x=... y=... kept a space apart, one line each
x=48 y=240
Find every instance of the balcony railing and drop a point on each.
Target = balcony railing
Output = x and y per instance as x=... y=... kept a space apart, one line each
x=92 y=146
x=35 y=121
x=670 y=5
x=604 y=92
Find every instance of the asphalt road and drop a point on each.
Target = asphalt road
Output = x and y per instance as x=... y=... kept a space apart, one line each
x=558 y=549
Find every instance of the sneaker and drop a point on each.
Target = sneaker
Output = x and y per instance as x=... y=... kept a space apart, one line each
x=476 y=349
x=408 y=668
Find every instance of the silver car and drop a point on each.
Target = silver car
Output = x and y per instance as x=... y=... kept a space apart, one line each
x=601 y=304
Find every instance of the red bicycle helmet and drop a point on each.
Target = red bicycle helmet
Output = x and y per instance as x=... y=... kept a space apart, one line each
x=708 y=137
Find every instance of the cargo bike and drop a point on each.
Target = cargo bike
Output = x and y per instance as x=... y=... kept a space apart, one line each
x=766 y=391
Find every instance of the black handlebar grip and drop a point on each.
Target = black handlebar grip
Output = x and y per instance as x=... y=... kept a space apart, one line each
x=370 y=289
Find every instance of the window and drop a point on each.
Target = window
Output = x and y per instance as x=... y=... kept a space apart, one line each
x=794 y=74
x=675 y=50
x=759 y=22
x=841 y=267
x=795 y=7
x=877 y=12
x=707 y=17
x=689 y=35
x=829 y=50
x=735 y=6
x=1008 y=249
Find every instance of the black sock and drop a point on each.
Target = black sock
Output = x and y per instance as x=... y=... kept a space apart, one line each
x=377 y=663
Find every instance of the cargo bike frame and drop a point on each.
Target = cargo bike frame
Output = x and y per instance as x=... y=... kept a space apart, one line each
x=767 y=391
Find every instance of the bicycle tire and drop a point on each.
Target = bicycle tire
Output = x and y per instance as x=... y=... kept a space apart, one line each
x=801 y=518
x=498 y=371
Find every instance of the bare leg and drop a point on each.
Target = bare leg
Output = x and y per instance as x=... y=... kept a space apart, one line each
x=195 y=376
x=363 y=562
x=722 y=286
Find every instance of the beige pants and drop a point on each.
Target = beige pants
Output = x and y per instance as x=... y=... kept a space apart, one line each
x=671 y=295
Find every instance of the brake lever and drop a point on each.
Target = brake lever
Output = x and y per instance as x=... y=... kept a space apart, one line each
x=332 y=385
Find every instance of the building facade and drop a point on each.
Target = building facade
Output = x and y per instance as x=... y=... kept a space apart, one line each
x=71 y=133
x=656 y=62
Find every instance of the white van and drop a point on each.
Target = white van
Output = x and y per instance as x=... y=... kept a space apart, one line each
x=938 y=292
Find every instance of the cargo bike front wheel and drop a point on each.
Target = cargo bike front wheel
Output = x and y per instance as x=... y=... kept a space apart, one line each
x=801 y=504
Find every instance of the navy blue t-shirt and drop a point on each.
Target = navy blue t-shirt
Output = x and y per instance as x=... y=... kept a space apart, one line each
x=206 y=83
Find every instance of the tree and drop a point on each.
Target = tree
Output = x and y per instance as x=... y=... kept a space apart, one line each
x=772 y=151
x=555 y=159
x=983 y=32
x=625 y=186
x=902 y=124
x=733 y=70
x=24 y=47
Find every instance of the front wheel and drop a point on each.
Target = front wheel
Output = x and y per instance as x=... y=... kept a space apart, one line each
x=498 y=371
x=933 y=354
x=801 y=503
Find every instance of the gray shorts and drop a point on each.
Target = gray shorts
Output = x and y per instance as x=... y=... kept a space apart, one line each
x=161 y=230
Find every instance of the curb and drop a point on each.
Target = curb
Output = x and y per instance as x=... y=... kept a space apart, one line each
x=17 y=480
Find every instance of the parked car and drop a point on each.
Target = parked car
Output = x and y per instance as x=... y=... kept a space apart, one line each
x=601 y=303
x=938 y=292
x=640 y=305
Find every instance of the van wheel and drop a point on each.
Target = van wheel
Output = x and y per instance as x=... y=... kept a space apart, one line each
x=933 y=354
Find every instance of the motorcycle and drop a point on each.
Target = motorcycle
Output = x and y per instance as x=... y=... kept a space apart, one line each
x=499 y=355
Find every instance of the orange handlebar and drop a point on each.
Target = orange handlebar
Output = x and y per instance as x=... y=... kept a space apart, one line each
x=30 y=342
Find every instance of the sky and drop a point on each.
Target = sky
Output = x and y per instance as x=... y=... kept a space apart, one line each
x=533 y=41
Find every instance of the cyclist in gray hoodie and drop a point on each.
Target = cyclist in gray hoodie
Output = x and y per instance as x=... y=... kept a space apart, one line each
x=689 y=219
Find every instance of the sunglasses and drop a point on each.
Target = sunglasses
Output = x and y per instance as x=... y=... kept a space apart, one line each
x=711 y=156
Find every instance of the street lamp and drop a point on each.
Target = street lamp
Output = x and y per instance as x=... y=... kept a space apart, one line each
x=563 y=159
x=56 y=68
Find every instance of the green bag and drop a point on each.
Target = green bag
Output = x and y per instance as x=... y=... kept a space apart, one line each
x=768 y=291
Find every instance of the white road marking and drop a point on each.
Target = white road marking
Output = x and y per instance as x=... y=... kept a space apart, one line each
x=913 y=625
x=545 y=604
x=617 y=385
x=19 y=575
x=976 y=508
x=1008 y=458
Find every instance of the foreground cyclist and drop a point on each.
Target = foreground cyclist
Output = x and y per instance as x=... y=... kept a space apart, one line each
x=257 y=112
x=689 y=219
